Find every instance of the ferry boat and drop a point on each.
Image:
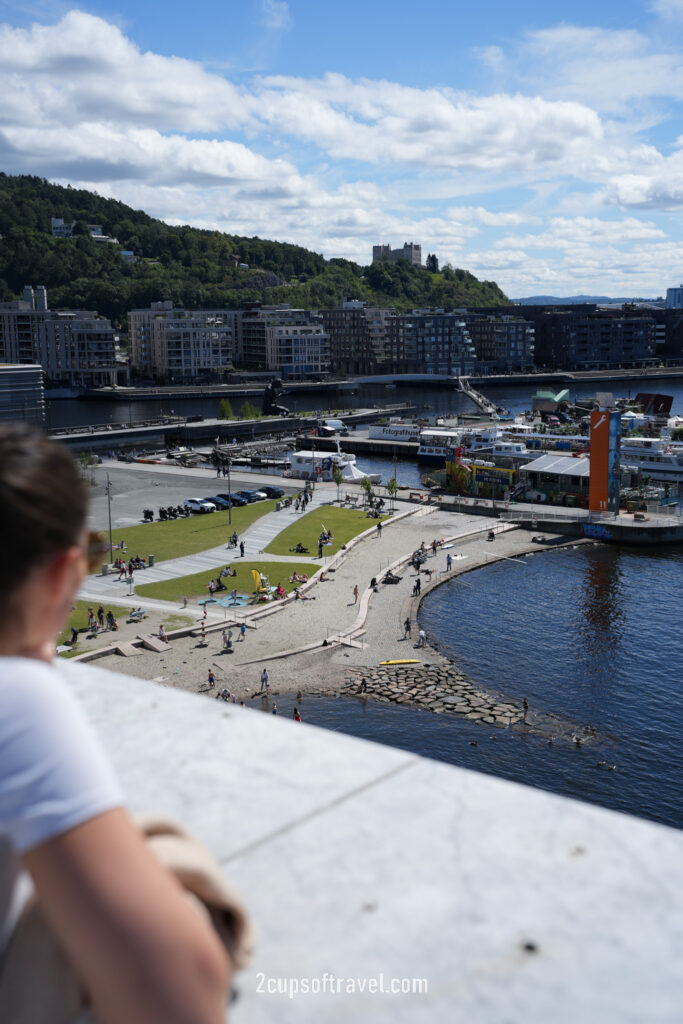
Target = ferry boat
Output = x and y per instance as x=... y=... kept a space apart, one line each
x=654 y=456
x=310 y=465
x=437 y=445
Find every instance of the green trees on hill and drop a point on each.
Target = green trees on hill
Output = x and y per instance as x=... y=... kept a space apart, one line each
x=191 y=267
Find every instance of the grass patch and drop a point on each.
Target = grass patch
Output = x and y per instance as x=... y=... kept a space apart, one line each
x=179 y=537
x=344 y=523
x=195 y=585
x=78 y=619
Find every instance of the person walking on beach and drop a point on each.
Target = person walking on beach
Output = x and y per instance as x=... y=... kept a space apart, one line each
x=406 y=629
x=379 y=530
x=355 y=594
x=243 y=631
x=422 y=639
x=241 y=549
x=264 y=681
x=211 y=680
x=449 y=562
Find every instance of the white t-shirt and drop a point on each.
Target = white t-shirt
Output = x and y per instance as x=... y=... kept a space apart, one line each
x=53 y=773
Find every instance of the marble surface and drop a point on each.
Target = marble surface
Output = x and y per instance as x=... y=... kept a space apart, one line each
x=362 y=862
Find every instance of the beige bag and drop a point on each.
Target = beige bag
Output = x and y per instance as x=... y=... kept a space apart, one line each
x=38 y=983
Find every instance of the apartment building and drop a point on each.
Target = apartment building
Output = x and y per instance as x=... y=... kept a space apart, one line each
x=181 y=346
x=75 y=348
x=600 y=340
x=359 y=337
x=293 y=343
x=503 y=344
x=21 y=394
x=430 y=341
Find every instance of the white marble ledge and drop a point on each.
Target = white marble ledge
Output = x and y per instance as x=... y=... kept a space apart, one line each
x=360 y=861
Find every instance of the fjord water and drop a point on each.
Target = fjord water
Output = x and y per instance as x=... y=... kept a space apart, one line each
x=591 y=634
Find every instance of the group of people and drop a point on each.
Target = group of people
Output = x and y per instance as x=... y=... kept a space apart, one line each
x=302 y=499
x=96 y=622
x=127 y=570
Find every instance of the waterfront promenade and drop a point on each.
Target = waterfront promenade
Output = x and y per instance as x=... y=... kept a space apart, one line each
x=314 y=644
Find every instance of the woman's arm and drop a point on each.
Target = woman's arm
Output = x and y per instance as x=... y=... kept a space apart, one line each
x=144 y=953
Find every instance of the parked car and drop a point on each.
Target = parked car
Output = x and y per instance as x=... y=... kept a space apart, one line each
x=273 y=492
x=328 y=428
x=233 y=499
x=199 y=505
x=250 y=495
x=218 y=501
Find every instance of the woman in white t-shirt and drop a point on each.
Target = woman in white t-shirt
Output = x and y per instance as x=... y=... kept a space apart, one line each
x=142 y=950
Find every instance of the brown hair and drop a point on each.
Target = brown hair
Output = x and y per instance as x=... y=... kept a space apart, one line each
x=43 y=503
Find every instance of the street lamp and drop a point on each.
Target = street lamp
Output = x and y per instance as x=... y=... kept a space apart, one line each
x=230 y=493
x=108 y=493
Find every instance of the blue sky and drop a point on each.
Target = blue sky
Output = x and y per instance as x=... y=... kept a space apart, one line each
x=536 y=145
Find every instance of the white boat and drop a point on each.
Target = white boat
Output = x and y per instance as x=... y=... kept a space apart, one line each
x=310 y=465
x=654 y=456
x=438 y=445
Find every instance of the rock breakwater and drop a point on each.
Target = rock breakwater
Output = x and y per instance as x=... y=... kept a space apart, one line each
x=441 y=690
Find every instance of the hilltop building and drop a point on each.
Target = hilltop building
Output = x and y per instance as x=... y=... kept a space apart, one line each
x=75 y=348
x=182 y=346
x=674 y=297
x=410 y=252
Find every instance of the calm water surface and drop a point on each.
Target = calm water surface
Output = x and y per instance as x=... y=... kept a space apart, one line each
x=592 y=634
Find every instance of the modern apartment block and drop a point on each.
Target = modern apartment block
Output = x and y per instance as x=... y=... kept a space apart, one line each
x=410 y=252
x=359 y=337
x=431 y=341
x=293 y=343
x=76 y=348
x=181 y=346
x=21 y=394
x=674 y=297
x=502 y=344
x=600 y=340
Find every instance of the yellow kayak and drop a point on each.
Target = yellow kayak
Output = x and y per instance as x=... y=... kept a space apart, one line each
x=402 y=661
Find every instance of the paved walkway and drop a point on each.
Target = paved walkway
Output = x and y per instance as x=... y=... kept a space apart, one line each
x=333 y=609
x=256 y=537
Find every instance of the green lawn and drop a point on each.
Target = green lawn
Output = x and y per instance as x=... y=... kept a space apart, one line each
x=195 y=586
x=79 y=616
x=179 y=537
x=344 y=523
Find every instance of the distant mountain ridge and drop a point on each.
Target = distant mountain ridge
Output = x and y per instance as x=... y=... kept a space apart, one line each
x=194 y=268
x=571 y=300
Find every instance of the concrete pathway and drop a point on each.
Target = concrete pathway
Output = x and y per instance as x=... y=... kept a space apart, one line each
x=332 y=608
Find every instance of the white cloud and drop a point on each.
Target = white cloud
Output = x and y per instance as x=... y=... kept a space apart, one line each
x=383 y=122
x=667 y=8
x=585 y=232
x=275 y=15
x=607 y=69
x=84 y=68
x=489 y=217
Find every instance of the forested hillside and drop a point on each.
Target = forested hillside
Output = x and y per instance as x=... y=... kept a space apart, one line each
x=192 y=267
